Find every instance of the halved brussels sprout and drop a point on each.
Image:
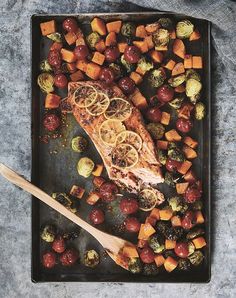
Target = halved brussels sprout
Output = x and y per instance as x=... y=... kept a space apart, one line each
x=156 y=78
x=156 y=243
x=176 y=154
x=166 y=23
x=161 y=37
x=128 y=66
x=55 y=37
x=162 y=157
x=176 y=103
x=85 y=167
x=193 y=88
x=196 y=232
x=156 y=130
x=48 y=233
x=128 y=29
x=79 y=144
x=135 y=265
x=184 y=29
x=92 y=39
x=169 y=179
x=176 y=81
x=45 y=66
x=184 y=264
x=192 y=74
x=117 y=70
x=45 y=82
x=196 y=258
x=91 y=258
x=145 y=65
x=63 y=199
x=191 y=248
x=177 y=204
x=200 y=111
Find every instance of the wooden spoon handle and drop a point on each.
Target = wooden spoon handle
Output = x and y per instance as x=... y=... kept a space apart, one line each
x=42 y=196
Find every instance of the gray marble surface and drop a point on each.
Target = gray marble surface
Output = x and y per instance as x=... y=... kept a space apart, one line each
x=15 y=149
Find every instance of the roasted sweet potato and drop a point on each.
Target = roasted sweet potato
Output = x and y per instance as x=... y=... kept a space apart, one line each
x=140 y=71
x=179 y=48
x=170 y=64
x=156 y=56
x=162 y=145
x=130 y=252
x=77 y=191
x=161 y=48
x=188 y=62
x=67 y=55
x=197 y=62
x=180 y=89
x=170 y=244
x=80 y=41
x=146 y=230
x=155 y=213
x=151 y=220
x=93 y=70
x=139 y=100
x=98 y=170
x=122 y=46
x=185 y=111
x=190 y=176
x=178 y=69
x=114 y=26
x=142 y=45
x=98 y=58
x=71 y=38
x=190 y=142
x=52 y=101
x=165 y=118
x=173 y=34
x=176 y=221
x=140 y=31
x=71 y=67
x=195 y=35
x=48 y=27
x=77 y=76
x=82 y=65
x=189 y=152
x=136 y=77
x=98 y=26
x=151 y=28
x=199 y=242
x=184 y=167
x=159 y=260
x=148 y=40
x=170 y=264
x=172 y=136
x=181 y=187
x=100 y=46
x=93 y=198
x=199 y=217
x=165 y=214
x=110 y=39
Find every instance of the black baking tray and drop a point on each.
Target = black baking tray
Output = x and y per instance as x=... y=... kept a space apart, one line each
x=57 y=172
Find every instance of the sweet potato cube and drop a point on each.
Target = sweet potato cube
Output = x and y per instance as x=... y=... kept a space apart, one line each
x=189 y=152
x=176 y=221
x=98 y=170
x=71 y=67
x=77 y=76
x=173 y=34
x=52 y=101
x=199 y=242
x=80 y=41
x=165 y=118
x=48 y=27
x=93 y=198
x=122 y=46
x=77 y=191
x=142 y=243
x=197 y=62
x=185 y=111
x=100 y=46
x=142 y=45
x=178 y=69
x=130 y=251
x=190 y=142
x=140 y=71
x=170 y=244
x=181 y=187
x=195 y=35
x=188 y=62
x=199 y=217
x=180 y=89
x=165 y=214
x=162 y=145
x=155 y=213
x=172 y=136
x=98 y=181
x=149 y=42
x=114 y=26
x=98 y=58
x=146 y=230
x=93 y=70
x=151 y=220
x=170 y=64
x=110 y=39
x=184 y=167
x=153 y=27
x=190 y=176
x=67 y=55
x=71 y=38
x=98 y=26
x=139 y=100
x=140 y=31
x=136 y=77
x=170 y=264
x=159 y=260
x=179 y=48
x=161 y=48
x=156 y=56
x=56 y=46
x=82 y=65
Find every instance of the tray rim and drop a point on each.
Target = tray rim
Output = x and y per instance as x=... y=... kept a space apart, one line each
x=208 y=75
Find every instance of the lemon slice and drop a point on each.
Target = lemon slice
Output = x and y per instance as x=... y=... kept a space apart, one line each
x=84 y=96
x=99 y=106
x=129 y=137
x=119 y=109
x=124 y=156
x=147 y=199
x=109 y=130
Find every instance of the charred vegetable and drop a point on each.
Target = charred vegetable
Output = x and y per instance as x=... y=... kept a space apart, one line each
x=176 y=103
x=156 y=130
x=174 y=233
x=48 y=233
x=196 y=258
x=156 y=243
x=192 y=74
x=63 y=199
x=71 y=235
x=161 y=37
x=92 y=39
x=177 y=204
x=150 y=269
x=184 y=29
x=55 y=37
x=79 y=144
x=195 y=232
x=166 y=23
x=91 y=258
x=184 y=264
x=45 y=66
x=45 y=82
x=197 y=205
x=170 y=179
x=128 y=66
x=191 y=248
x=135 y=265
x=128 y=29
x=117 y=70
x=162 y=156
x=193 y=88
x=156 y=78
x=85 y=167
x=176 y=81
x=200 y=111
x=145 y=65
x=176 y=154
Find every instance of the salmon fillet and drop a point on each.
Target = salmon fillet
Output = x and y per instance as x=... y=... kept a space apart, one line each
x=147 y=171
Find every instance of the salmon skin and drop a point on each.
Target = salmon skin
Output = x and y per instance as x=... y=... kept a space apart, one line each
x=146 y=172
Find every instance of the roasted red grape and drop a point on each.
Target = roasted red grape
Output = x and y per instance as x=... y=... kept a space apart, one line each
x=189 y=220
x=132 y=224
x=154 y=114
x=181 y=249
x=49 y=259
x=129 y=205
x=59 y=245
x=107 y=75
x=132 y=54
x=127 y=85
x=147 y=255
x=54 y=58
x=69 y=257
x=60 y=81
x=172 y=165
x=51 y=122
x=70 y=25
x=165 y=93
x=81 y=52
x=96 y=216
x=108 y=190
x=192 y=194
x=111 y=54
x=184 y=125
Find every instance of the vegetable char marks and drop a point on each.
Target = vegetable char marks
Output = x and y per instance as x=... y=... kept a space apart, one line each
x=138 y=164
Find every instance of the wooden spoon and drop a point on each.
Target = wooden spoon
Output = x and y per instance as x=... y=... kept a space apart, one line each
x=112 y=244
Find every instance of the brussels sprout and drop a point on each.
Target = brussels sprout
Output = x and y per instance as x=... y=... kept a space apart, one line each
x=162 y=227
x=174 y=233
x=192 y=74
x=150 y=269
x=91 y=258
x=170 y=179
x=128 y=66
x=92 y=39
x=156 y=243
x=117 y=70
x=184 y=264
x=45 y=82
x=176 y=81
x=166 y=23
x=79 y=144
x=172 y=145
x=135 y=265
x=156 y=130
x=200 y=111
x=63 y=199
x=161 y=37
x=145 y=65
x=156 y=78
x=195 y=98
x=197 y=205
x=176 y=154
x=85 y=167
x=191 y=248
x=48 y=233
x=55 y=37
x=128 y=29
x=176 y=103
x=195 y=233
x=45 y=66
x=161 y=156
x=193 y=88
x=169 y=253
x=177 y=204
x=196 y=258
x=184 y=29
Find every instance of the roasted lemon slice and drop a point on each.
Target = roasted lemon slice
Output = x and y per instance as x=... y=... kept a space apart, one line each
x=109 y=130
x=147 y=199
x=129 y=137
x=119 y=109
x=84 y=96
x=99 y=106
x=124 y=156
